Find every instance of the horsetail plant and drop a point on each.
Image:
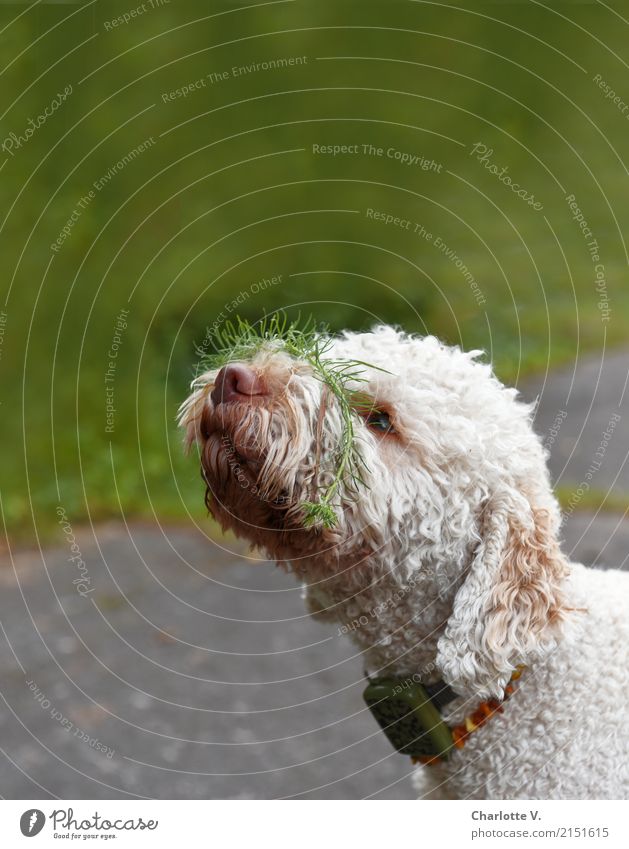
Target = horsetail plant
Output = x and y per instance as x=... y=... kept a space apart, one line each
x=305 y=341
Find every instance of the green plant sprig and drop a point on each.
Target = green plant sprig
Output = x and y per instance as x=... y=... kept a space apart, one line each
x=241 y=340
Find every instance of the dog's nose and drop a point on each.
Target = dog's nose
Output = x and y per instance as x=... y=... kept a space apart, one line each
x=236 y=383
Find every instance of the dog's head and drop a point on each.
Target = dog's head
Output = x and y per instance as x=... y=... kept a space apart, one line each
x=453 y=485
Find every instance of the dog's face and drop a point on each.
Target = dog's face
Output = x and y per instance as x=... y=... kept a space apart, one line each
x=454 y=480
x=269 y=432
x=428 y=423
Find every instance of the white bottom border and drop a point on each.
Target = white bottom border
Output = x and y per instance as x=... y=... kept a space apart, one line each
x=315 y=824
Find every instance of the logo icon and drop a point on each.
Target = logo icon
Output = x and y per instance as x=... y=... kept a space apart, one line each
x=32 y=822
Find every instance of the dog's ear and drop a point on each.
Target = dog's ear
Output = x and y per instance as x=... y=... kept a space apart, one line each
x=510 y=606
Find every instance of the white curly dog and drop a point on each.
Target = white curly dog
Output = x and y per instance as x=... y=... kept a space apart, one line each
x=446 y=567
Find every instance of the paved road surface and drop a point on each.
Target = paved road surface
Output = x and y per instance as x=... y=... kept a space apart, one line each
x=190 y=671
x=583 y=416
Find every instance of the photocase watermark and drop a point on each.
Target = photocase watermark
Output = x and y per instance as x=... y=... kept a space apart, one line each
x=214 y=77
x=388 y=218
x=419 y=230
x=66 y=723
x=97 y=186
x=3 y=323
x=134 y=13
x=460 y=265
x=64 y=819
x=15 y=141
x=32 y=822
x=416 y=678
x=610 y=94
x=578 y=216
x=235 y=463
x=237 y=301
x=81 y=828
x=377 y=612
x=600 y=281
x=403 y=157
x=603 y=303
x=82 y=581
x=104 y=179
x=110 y=375
x=484 y=155
x=595 y=465
x=553 y=430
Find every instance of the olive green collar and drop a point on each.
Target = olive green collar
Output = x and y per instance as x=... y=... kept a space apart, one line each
x=409 y=713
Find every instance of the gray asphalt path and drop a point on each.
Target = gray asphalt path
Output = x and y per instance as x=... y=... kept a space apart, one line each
x=583 y=417
x=191 y=671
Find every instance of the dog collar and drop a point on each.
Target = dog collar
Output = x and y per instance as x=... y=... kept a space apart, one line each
x=409 y=713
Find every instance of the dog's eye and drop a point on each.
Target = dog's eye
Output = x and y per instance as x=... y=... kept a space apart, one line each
x=379 y=420
x=374 y=418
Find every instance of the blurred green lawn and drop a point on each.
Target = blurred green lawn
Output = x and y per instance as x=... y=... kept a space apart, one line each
x=229 y=191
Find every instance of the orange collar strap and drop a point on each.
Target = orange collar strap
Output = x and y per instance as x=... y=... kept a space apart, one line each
x=483 y=713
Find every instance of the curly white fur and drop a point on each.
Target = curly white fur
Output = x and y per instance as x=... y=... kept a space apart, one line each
x=447 y=565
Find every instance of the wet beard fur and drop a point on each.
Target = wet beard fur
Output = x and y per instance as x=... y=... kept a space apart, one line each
x=256 y=477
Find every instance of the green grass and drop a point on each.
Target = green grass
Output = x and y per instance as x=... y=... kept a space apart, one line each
x=231 y=209
x=591 y=500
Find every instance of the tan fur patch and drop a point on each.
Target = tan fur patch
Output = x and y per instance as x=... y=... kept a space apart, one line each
x=527 y=597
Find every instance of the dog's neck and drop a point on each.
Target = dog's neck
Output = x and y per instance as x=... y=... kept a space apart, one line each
x=395 y=621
